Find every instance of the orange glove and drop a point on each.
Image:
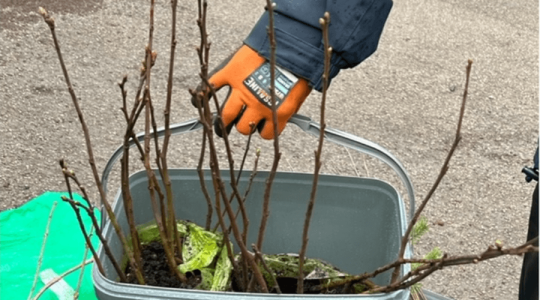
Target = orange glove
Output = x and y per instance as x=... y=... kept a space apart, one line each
x=249 y=100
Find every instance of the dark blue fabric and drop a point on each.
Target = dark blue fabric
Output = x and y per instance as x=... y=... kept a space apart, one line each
x=355 y=29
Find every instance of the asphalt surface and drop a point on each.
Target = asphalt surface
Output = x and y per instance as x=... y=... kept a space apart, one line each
x=405 y=97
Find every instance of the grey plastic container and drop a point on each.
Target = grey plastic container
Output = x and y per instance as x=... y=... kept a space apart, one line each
x=357 y=223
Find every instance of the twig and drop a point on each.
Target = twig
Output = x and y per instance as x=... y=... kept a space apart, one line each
x=169 y=228
x=444 y=169
x=81 y=274
x=173 y=229
x=271 y=272
x=124 y=175
x=122 y=84
x=60 y=277
x=277 y=153
x=153 y=185
x=491 y=252
x=205 y=118
x=50 y=22
x=248 y=144
x=242 y=199
x=253 y=173
x=325 y=22
x=42 y=251
x=75 y=205
x=248 y=188
x=203 y=51
x=69 y=174
x=203 y=183
x=228 y=151
x=128 y=204
x=428 y=268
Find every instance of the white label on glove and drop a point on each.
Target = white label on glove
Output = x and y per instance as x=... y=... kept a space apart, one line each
x=259 y=84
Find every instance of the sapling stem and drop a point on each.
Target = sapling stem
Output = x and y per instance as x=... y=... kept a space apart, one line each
x=242 y=199
x=70 y=175
x=75 y=206
x=431 y=266
x=153 y=184
x=202 y=179
x=442 y=173
x=172 y=228
x=124 y=175
x=277 y=153
x=271 y=272
x=164 y=210
x=81 y=274
x=228 y=151
x=42 y=251
x=203 y=52
x=325 y=22
x=50 y=22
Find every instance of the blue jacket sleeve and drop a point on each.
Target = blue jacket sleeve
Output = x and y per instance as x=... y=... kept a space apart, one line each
x=355 y=29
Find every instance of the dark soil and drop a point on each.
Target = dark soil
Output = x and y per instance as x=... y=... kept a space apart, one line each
x=156 y=271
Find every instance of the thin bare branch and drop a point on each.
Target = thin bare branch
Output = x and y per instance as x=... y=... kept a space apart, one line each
x=277 y=153
x=429 y=267
x=60 y=277
x=427 y=264
x=202 y=179
x=325 y=22
x=75 y=205
x=172 y=228
x=81 y=274
x=70 y=175
x=50 y=22
x=203 y=52
x=42 y=251
x=444 y=169
x=271 y=272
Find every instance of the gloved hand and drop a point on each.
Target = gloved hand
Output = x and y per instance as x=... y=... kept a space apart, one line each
x=249 y=100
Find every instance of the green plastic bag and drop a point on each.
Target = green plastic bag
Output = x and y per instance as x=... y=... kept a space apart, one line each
x=21 y=236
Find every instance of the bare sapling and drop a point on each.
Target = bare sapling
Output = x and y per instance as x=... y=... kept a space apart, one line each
x=325 y=22
x=167 y=236
x=442 y=173
x=200 y=172
x=83 y=265
x=89 y=209
x=49 y=20
x=42 y=251
x=428 y=266
x=202 y=101
x=277 y=154
x=223 y=190
x=124 y=176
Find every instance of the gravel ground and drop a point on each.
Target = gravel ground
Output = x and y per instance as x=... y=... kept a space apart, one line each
x=405 y=97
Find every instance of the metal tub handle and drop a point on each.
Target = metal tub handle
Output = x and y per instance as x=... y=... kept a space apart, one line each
x=307 y=125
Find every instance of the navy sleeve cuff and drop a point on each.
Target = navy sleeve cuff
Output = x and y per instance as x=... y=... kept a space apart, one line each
x=302 y=57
